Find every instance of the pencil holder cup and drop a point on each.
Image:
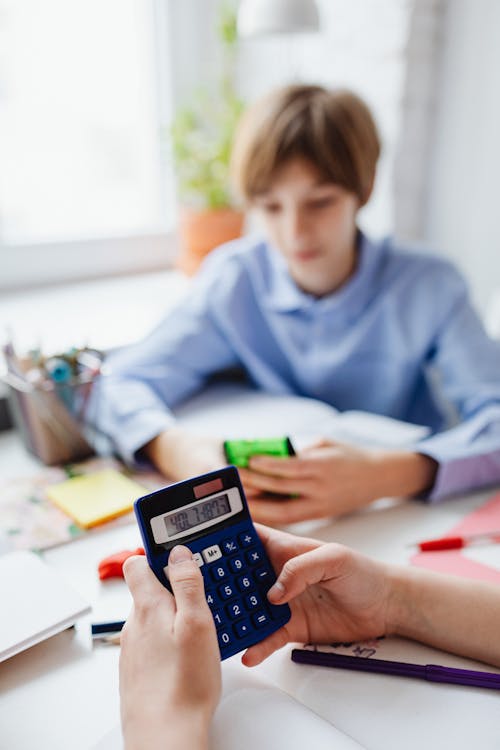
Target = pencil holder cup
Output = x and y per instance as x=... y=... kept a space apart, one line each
x=49 y=416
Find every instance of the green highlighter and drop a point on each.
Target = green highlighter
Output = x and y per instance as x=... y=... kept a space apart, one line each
x=238 y=452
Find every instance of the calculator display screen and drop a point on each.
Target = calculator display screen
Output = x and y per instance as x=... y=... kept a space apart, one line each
x=196 y=515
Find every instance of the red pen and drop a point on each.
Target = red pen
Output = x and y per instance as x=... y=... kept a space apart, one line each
x=457 y=542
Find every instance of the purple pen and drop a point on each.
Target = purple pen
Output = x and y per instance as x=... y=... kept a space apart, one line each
x=430 y=672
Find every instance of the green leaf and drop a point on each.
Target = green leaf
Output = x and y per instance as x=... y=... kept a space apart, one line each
x=202 y=132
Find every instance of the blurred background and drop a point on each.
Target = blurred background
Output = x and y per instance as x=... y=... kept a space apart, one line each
x=102 y=108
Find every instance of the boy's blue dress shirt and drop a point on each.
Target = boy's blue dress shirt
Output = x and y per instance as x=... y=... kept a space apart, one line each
x=400 y=338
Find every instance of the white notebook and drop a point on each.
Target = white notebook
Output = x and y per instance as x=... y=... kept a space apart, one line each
x=234 y=410
x=254 y=713
x=36 y=602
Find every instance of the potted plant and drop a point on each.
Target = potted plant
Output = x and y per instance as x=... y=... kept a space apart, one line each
x=201 y=137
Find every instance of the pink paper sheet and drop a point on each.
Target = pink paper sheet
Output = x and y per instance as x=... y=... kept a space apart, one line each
x=485 y=518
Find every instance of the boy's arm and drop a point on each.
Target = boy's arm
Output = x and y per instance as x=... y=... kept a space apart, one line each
x=132 y=404
x=466 y=365
x=179 y=454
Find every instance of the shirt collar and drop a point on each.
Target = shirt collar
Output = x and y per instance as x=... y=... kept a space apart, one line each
x=350 y=299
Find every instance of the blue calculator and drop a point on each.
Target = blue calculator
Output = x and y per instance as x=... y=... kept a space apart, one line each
x=209 y=514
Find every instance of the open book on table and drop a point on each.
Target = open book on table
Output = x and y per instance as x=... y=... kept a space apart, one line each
x=254 y=713
x=386 y=712
x=233 y=410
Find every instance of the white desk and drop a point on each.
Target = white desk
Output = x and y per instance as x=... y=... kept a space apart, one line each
x=64 y=694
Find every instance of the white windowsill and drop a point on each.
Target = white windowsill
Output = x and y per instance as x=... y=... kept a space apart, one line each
x=43 y=264
x=104 y=314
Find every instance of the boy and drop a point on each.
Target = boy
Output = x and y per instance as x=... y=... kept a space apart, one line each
x=317 y=309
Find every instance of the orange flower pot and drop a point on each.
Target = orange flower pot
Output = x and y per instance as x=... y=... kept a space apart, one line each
x=202 y=231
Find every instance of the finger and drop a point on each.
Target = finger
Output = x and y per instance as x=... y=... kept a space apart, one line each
x=293 y=468
x=298 y=573
x=321 y=443
x=186 y=581
x=283 y=512
x=246 y=479
x=267 y=534
x=279 y=484
x=249 y=491
x=295 y=545
x=143 y=584
x=256 y=654
x=280 y=546
x=279 y=543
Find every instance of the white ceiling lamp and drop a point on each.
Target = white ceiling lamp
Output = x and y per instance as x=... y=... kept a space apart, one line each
x=264 y=17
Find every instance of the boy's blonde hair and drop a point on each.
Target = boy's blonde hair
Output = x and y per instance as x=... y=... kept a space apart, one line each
x=332 y=129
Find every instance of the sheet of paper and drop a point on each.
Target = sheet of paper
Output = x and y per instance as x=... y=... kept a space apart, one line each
x=234 y=410
x=95 y=498
x=478 y=562
x=253 y=713
x=383 y=712
x=30 y=521
x=400 y=649
x=378 y=430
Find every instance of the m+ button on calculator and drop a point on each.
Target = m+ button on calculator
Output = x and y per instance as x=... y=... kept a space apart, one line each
x=209 y=514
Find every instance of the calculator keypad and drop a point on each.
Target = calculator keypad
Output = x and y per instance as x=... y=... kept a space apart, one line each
x=236 y=584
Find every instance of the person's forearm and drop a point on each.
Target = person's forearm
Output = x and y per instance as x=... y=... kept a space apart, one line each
x=174 y=732
x=170 y=452
x=403 y=474
x=179 y=454
x=454 y=614
x=161 y=450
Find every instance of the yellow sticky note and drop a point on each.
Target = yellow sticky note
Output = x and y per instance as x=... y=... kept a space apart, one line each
x=95 y=498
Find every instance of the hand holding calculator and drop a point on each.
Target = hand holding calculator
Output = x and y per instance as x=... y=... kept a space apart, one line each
x=209 y=514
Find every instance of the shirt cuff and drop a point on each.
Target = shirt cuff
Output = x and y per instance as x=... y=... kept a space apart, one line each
x=468 y=456
x=461 y=475
x=136 y=432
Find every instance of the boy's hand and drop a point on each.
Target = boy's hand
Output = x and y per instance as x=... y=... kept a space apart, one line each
x=330 y=479
x=170 y=675
x=334 y=593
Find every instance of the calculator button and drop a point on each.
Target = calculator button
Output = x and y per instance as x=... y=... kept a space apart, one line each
x=198 y=559
x=277 y=610
x=252 y=601
x=244 y=583
x=218 y=619
x=236 y=564
x=210 y=598
x=224 y=638
x=211 y=553
x=229 y=546
x=235 y=610
x=262 y=575
x=227 y=591
x=248 y=538
x=260 y=619
x=254 y=556
x=242 y=628
x=219 y=571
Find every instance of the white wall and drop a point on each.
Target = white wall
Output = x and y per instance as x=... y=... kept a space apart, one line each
x=463 y=215
x=362 y=46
